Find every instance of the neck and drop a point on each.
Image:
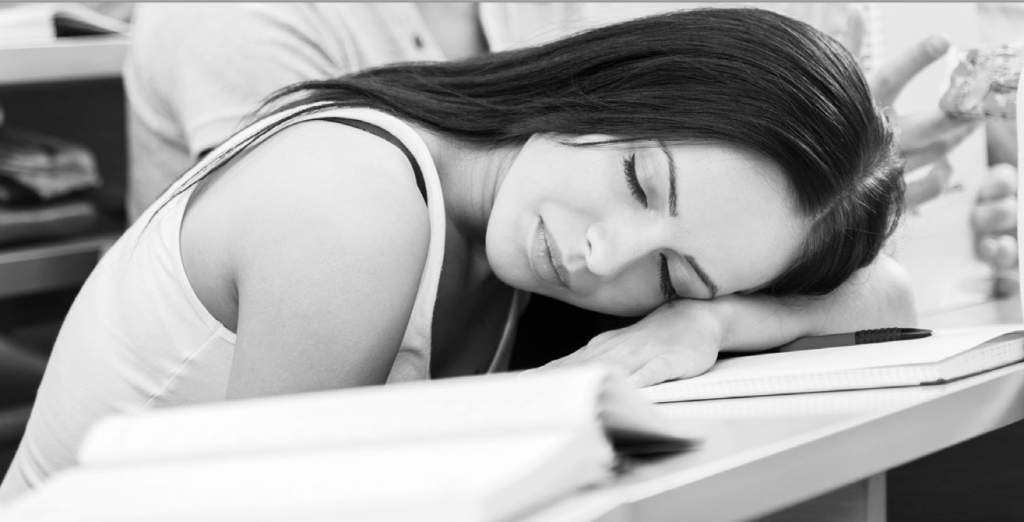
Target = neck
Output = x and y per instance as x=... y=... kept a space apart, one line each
x=472 y=304
x=470 y=177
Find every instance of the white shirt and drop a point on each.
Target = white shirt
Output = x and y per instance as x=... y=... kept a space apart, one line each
x=195 y=70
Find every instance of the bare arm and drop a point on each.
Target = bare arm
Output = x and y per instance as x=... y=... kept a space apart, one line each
x=876 y=296
x=682 y=338
x=326 y=249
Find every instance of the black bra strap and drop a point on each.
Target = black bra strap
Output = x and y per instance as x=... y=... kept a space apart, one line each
x=390 y=138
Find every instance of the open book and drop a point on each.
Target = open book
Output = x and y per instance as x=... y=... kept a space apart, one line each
x=474 y=448
x=948 y=355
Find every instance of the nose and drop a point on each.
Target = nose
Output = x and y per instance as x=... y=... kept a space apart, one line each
x=613 y=247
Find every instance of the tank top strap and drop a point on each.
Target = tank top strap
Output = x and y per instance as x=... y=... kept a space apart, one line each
x=390 y=138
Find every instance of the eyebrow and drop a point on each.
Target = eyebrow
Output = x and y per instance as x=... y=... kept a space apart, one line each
x=702 y=275
x=671 y=180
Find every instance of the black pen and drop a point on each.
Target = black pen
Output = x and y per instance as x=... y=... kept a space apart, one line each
x=881 y=335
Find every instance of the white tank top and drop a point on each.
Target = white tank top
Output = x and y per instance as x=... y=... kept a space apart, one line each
x=138 y=337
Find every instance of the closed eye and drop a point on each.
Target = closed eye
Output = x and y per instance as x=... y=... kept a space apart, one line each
x=629 y=167
x=665 y=280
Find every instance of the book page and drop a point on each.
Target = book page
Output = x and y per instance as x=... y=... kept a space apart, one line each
x=457 y=479
x=569 y=399
x=422 y=410
x=26 y=25
x=939 y=346
x=633 y=428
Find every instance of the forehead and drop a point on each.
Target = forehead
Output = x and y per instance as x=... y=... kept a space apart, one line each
x=737 y=214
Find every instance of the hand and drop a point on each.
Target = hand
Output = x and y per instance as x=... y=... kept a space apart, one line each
x=680 y=339
x=925 y=137
x=994 y=221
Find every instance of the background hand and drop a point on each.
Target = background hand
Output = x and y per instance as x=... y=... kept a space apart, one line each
x=994 y=221
x=679 y=339
x=925 y=137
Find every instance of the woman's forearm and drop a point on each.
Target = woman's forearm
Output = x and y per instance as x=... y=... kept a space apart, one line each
x=682 y=338
x=875 y=297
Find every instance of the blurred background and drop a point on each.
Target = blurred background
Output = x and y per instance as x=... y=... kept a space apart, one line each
x=63 y=183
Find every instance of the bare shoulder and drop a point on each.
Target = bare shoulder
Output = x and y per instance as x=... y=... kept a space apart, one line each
x=319 y=172
x=320 y=155
x=323 y=234
x=309 y=196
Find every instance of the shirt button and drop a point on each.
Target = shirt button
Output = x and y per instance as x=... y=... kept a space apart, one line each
x=418 y=40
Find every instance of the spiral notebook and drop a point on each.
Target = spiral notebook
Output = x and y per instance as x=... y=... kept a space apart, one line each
x=948 y=355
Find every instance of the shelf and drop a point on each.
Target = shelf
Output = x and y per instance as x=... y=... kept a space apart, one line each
x=52 y=265
x=70 y=58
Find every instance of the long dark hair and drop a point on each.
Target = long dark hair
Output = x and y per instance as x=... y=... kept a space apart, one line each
x=748 y=77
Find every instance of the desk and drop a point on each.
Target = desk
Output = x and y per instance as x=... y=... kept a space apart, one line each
x=761 y=455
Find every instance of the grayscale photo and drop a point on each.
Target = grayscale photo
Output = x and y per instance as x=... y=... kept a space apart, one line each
x=510 y=262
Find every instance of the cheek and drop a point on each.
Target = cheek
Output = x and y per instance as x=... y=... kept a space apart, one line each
x=510 y=230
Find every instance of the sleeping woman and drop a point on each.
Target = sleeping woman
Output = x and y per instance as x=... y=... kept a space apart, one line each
x=724 y=172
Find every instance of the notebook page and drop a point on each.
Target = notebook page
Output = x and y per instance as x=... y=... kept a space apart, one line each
x=802 y=405
x=865 y=378
x=901 y=363
x=998 y=352
x=941 y=345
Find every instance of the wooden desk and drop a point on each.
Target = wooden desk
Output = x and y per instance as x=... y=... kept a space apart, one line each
x=762 y=455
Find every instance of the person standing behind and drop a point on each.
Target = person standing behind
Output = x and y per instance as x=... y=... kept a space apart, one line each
x=195 y=70
x=186 y=94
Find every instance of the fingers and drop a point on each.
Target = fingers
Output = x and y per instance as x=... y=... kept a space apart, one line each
x=676 y=340
x=593 y=351
x=933 y=131
x=994 y=219
x=1001 y=183
x=995 y=216
x=1000 y=252
x=659 y=369
x=894 y=74
x=929 y=185
x=676 y=365
x=916 y=159
x=573 y=359
x=644 y=364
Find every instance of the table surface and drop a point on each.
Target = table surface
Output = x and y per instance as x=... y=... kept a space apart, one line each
x=761 y=454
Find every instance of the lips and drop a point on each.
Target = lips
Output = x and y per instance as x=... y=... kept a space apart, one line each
x=544 y=258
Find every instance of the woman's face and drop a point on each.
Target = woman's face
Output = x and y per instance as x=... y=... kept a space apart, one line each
x=622 y=228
